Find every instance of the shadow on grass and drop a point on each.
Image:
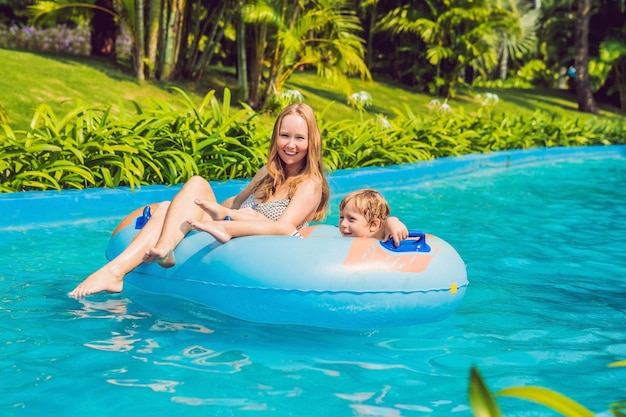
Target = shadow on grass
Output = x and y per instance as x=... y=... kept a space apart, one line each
x=117 y=70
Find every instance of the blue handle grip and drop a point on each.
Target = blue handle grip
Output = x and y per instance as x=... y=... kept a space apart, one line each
x=409 y=245
x=141 y=221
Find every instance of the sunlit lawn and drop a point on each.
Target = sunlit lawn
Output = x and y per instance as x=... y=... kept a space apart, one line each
x=64 y=82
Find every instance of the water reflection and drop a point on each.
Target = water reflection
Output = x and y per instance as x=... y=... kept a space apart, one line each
x=113 y=308
x=235 y=403
x=155 y=385
x=204 y=359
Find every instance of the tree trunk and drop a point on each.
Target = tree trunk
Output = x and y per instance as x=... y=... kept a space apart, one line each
x=619 y=70
x=256 y=73
x=217 y=32
x=277 y=63
x=369 y=54
x=197 y=21
x=586 y=102
x=103 y=30
x=172 y=39
x=155 y=9
x=242 y=62
x=139 y=39
x=504 y=63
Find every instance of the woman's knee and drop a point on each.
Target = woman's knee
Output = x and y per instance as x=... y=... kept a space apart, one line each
x=198 y=183
x=161 y=208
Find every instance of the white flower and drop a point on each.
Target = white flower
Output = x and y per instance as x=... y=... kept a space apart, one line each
x=282 y=99
x=436 y=105
x=489 y=99
x=360 y=100
x=383 y=122
x=293 y=96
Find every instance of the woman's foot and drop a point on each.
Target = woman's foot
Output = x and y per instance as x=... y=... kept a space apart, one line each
x=212 y=208
x=163 y=257
x=104 y=279
x=216 y=229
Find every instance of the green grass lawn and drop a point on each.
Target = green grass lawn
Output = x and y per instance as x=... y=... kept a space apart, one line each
x=64 y=82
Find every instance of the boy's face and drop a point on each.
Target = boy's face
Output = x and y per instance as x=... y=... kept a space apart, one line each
x=353 y=224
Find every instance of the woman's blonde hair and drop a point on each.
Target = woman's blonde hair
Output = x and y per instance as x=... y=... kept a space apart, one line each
x=369 y=203
x=313 y=167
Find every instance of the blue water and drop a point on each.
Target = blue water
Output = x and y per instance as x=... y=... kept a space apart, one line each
x=543 y=243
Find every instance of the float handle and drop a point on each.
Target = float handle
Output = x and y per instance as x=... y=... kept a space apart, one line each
x=141 y=221
x=409 y=245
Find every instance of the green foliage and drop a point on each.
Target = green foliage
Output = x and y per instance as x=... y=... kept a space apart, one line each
x=91 y=146
x=549 y=398
x=94 y=146
x=456 y=34
x=483 y=402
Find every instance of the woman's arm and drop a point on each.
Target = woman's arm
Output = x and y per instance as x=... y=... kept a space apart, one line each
x=246 y=192
x=303 y=203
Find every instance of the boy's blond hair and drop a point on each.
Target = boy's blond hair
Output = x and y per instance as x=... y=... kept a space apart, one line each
x=369 y=203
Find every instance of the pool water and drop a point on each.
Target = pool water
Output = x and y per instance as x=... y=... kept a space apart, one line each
x=544 y=246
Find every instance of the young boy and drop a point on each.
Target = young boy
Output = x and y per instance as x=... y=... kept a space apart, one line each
x=365 y=213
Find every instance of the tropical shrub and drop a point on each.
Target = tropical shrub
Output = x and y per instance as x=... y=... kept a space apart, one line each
x=166 y=144
x=93 y=147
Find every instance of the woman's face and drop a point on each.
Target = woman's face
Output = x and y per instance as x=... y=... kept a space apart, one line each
x=293 y=140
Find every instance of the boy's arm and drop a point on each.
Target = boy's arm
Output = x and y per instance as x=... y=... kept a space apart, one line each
x=395 y=229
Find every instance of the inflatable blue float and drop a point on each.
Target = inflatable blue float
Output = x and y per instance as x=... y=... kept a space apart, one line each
x=322 y=280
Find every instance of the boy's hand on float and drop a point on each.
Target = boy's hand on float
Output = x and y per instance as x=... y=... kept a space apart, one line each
x=396 y=230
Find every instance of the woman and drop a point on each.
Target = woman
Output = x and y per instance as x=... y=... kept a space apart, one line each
x=286 y=193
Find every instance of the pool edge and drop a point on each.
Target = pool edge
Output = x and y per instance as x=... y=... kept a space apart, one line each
x=38 y=207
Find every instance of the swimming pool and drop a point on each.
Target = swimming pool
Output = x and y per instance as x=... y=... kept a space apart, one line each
x=542 y=234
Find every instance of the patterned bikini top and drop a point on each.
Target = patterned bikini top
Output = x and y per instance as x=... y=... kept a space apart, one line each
x=272 y=209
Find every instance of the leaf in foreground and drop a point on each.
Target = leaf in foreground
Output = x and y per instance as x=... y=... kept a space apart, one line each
x=481 y=400
x=551 y=399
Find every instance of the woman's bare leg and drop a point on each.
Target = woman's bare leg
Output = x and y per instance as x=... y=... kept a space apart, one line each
x=110 y=277
x=217 y=211
x=223 y=231
x=217 y=229
x=176 y=226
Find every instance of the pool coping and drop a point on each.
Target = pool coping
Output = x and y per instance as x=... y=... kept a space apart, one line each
x=39 y=207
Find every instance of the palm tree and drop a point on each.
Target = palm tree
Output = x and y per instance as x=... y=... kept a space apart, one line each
x=262 y=16
x=457 y=34
x=369 y=15
x=242 y=56
x=205 y=27
x=586 y=102
x=521 y=38
x=290 y=35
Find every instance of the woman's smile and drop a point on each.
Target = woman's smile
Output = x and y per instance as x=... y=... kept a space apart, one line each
x=293 y=139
